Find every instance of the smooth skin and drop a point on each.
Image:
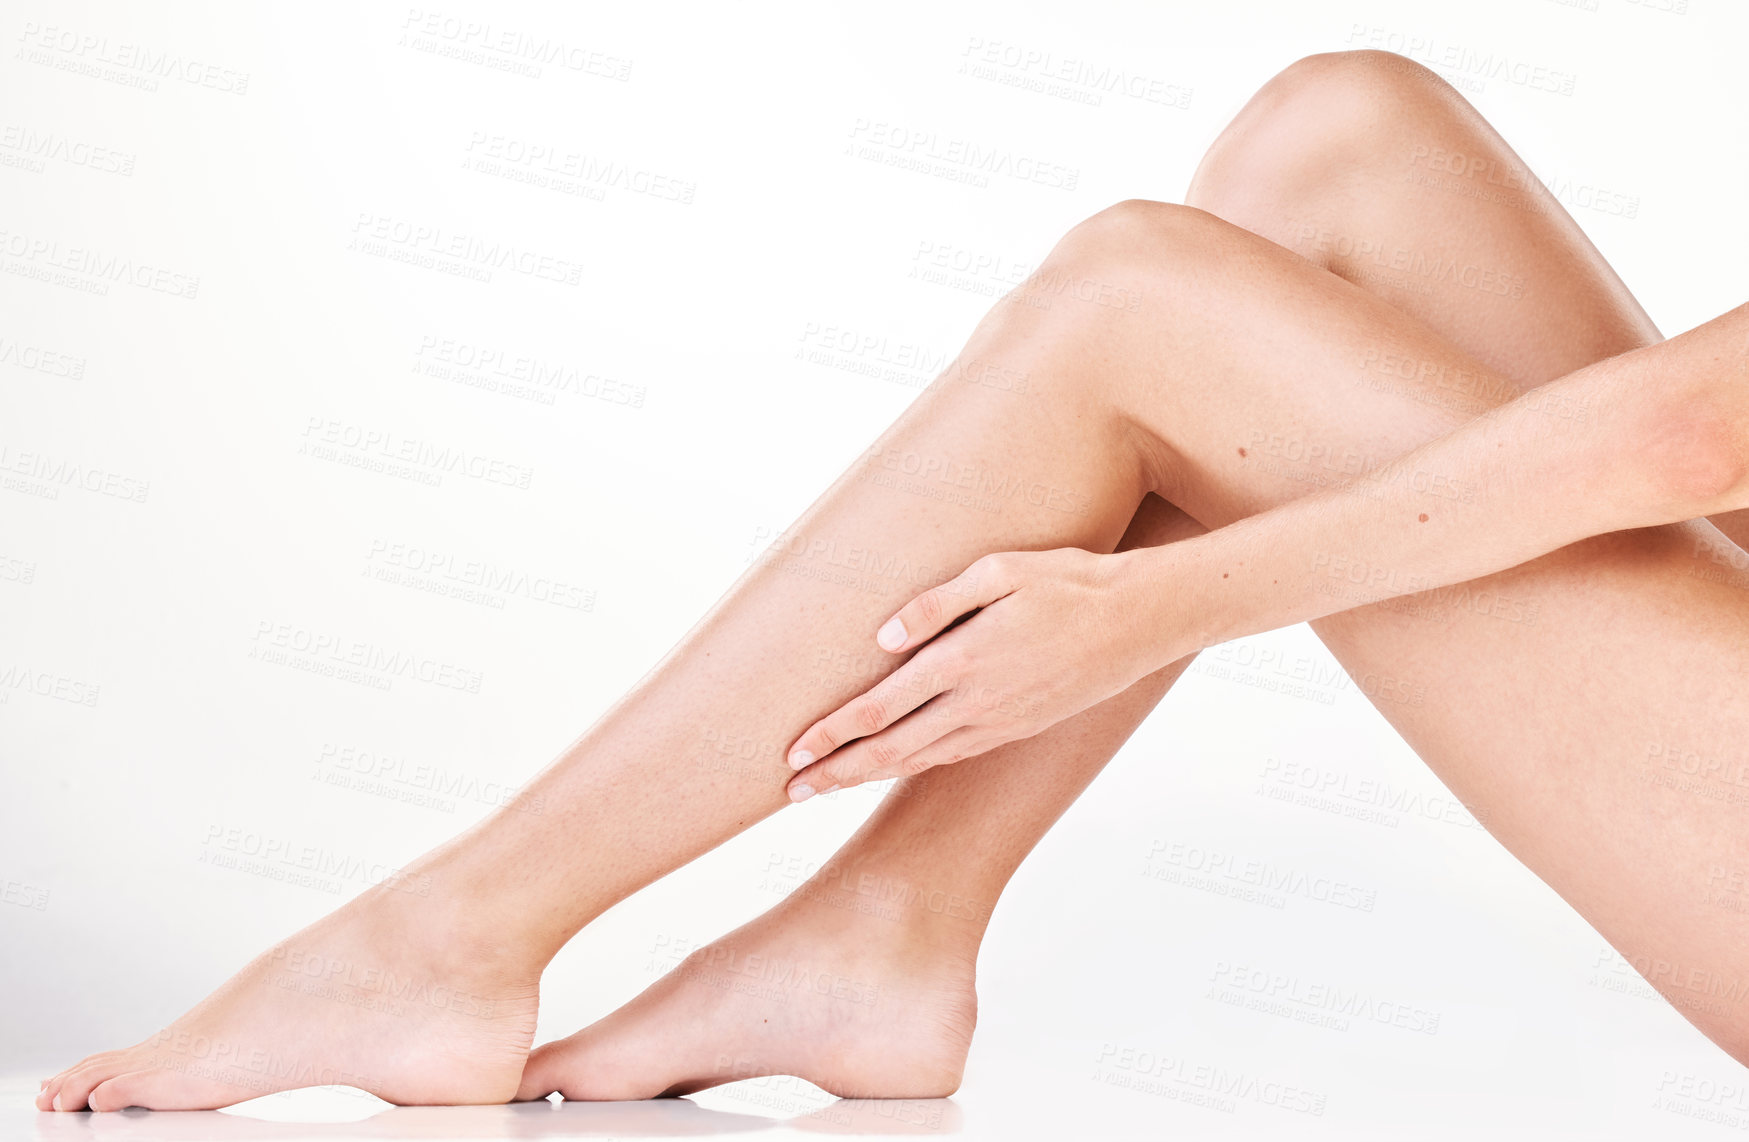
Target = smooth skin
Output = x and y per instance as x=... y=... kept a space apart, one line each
x=1236 y=341
x=1322 y=150
x=1665 y=438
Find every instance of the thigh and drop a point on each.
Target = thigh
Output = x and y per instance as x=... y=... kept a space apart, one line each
x=1591 y=705
x=1374 y=168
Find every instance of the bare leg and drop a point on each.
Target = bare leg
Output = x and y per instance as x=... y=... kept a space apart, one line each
x=627 y=803
x=971 y=468
x=1374 y=168
x=862 y=980
x=1332 y=158
x=1588 y=776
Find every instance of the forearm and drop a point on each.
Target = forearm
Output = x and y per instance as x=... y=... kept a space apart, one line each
x=1665 y=438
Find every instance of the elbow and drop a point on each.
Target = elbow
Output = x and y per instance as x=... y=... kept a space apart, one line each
x=1697 y=458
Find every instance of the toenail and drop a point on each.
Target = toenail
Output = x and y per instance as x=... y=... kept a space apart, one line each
x=800 y=793
x=57 y=1102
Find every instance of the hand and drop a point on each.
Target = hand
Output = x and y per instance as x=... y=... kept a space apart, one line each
x=1054 y=632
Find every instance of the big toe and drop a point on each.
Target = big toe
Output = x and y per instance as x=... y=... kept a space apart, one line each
x=558 y=1067
x=45 y=1098
x=539 y=1074
x=593 y=1066
x=76 y=1085
x=136 y=1088
x=156 y=1088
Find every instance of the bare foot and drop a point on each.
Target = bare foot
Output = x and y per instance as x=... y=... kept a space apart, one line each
x=395 y=993
x=862 y=1007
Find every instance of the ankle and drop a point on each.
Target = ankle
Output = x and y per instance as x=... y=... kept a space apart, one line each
x=483 y=892
x=447 y=926
x=893 y=915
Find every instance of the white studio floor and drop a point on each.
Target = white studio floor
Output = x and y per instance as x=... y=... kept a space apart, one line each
x=1004 y=1098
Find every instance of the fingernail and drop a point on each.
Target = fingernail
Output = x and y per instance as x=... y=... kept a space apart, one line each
x=800 y=793
x=800 y=759
x=891 y=636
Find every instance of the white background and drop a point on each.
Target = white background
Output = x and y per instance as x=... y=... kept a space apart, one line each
x=115 y=919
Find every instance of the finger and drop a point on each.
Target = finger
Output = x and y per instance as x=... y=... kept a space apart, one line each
x=870 y=759
x=882 y=755
x=891 y=699
x=935 y=610
x=847 y=768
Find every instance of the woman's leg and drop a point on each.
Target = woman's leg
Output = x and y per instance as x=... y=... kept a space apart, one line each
x=861 y=979
x=1331 y=158
x=425 y=991
x=1373 y=167
x=1066 y=464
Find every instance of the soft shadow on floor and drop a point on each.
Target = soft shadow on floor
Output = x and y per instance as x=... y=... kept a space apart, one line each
x=334 y=1116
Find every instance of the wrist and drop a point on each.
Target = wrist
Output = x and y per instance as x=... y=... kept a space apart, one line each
x=1163 y=592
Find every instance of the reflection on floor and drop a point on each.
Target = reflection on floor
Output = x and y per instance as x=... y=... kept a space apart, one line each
x=753 y=1109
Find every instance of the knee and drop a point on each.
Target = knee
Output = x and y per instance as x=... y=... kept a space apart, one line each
x=1365 y=80
x=1315 y=124
x=1126 y=276
x=1111 y=257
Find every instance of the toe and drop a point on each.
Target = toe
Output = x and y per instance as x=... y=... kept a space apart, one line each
x=45 y=1098
x=81 y=1079
x=155 y=1088
x=580 y=1070
x=542 y=1075
x=122 y=1091
x=165 y=1088
x=632 y=1054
